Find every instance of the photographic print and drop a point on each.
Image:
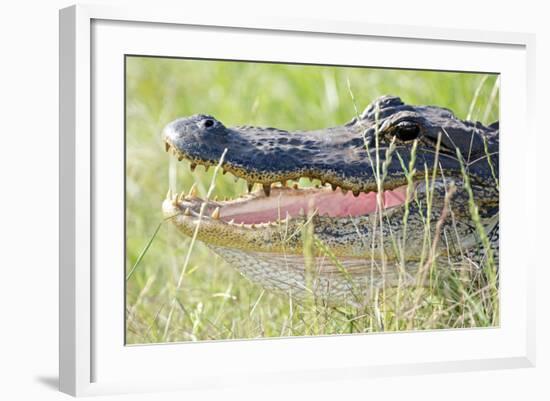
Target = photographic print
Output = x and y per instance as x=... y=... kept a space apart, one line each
x=268 y=200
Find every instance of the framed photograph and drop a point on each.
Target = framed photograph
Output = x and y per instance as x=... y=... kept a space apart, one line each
x=264 y=200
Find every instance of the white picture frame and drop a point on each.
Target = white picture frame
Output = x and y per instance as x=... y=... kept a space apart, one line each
x=93 y=357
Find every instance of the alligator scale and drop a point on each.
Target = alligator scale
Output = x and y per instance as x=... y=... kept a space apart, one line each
x=402 y=187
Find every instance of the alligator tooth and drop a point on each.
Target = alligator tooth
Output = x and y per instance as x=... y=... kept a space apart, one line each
x=216 y=214
x=241 y=225
x=193 y=190
x=334 y=187
x=232 y=221
x=193 y=166
x=169 y=194
x=187 y=212
x=267 y=189
x=250 y=186
x=166 y=146
x=175 y=200
x=356 y=193
x=181 y=196
x=215 y=199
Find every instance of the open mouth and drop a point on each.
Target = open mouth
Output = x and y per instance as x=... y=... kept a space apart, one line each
x=280 y=202
x=287 y=203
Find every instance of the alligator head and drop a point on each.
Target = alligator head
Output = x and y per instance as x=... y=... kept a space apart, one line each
x=385 y=176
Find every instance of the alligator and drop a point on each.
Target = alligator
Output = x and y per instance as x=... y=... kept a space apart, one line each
x=401 y=188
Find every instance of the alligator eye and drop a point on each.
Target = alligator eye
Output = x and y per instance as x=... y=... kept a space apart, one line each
x=407 y=131
x=208 y=123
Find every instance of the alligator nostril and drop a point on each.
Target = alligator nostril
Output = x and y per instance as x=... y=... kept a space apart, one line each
x=208 y=123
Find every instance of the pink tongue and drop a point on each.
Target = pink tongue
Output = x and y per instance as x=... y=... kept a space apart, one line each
x=331 y=203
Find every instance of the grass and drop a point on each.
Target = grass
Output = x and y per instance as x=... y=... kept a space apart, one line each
x=179 y=292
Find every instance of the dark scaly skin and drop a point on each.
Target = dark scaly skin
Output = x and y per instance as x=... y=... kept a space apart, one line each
x=377 y=143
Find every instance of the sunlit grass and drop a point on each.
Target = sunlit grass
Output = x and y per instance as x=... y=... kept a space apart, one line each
x=209 y=300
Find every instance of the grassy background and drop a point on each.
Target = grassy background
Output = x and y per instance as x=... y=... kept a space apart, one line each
x=215 y=301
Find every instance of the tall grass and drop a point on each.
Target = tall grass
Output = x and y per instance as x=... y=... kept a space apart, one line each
x=209 y=300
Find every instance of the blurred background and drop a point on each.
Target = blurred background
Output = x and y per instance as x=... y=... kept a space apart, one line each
x=214 y=301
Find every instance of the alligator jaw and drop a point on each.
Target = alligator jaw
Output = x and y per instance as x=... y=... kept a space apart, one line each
x=255 y=221
x=268 y=182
